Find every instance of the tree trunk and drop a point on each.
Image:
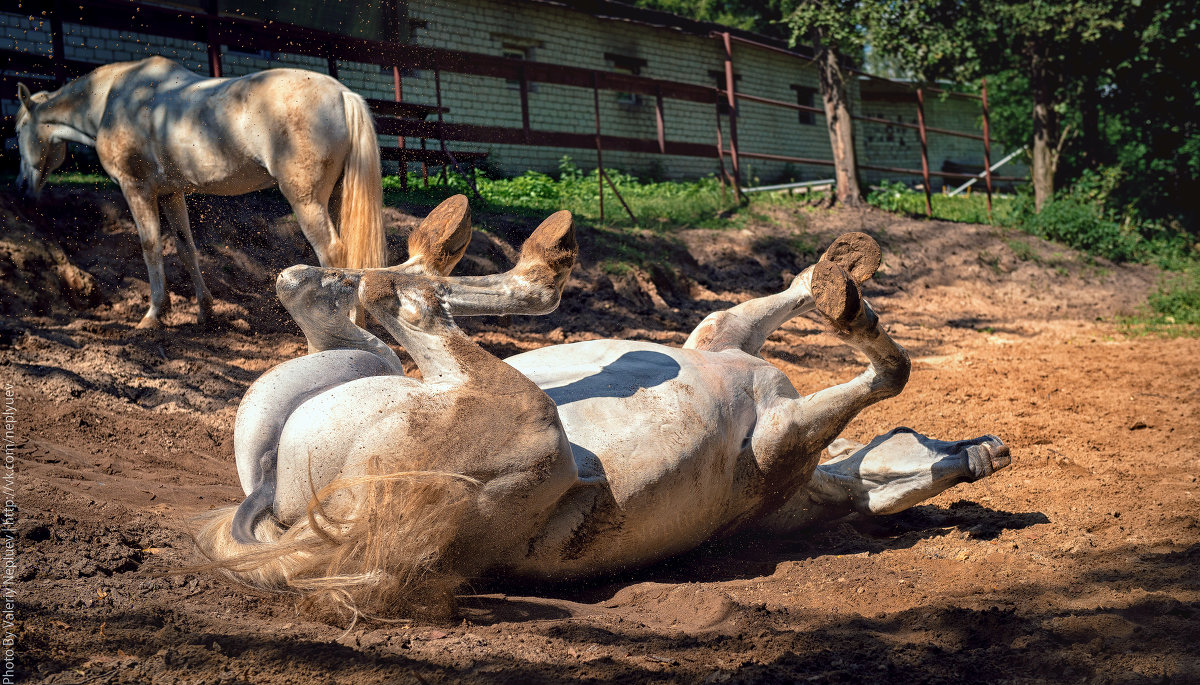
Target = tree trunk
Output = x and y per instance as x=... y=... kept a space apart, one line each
x=1045 y=156
x=841 y=131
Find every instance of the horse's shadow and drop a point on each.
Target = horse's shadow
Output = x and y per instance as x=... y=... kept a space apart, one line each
x=744 y=557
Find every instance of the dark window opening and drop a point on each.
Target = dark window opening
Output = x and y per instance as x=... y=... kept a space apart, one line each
x=511 y=51
x=806 y=96
x=718 y=79
x=630 y=66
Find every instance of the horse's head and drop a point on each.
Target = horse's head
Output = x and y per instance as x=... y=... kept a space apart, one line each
x=41 y=151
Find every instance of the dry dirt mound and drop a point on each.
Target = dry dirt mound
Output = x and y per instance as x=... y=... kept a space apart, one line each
x=1081 y=562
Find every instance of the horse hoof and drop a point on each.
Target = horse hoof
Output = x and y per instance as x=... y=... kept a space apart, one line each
x=835 y=293
x=548 y=254
x=857 y=253
x=149 y=323
x=441 y=239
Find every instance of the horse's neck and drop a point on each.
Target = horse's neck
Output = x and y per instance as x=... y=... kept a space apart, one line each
x=78 y=107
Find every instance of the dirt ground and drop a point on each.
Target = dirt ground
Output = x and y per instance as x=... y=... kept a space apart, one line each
x=1079 y=563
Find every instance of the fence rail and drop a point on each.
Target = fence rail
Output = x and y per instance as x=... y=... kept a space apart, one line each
x=211 y=32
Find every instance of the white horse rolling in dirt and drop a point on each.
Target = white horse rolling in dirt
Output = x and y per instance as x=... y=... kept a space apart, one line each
x=378 y=492
x=163 y=132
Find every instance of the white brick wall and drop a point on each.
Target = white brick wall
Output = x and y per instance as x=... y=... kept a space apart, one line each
x=564 y=36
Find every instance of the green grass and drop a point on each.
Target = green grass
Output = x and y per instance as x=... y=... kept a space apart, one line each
x=972 y=209
x=657 y=205
x=75 y=178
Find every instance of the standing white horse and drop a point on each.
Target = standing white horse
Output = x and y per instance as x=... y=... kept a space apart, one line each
x=162 y=131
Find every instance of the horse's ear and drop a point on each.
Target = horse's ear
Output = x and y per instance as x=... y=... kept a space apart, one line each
x=25 y=96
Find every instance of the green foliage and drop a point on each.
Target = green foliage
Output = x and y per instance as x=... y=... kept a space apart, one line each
x=80 y=179
x=896 y=197
x=837 y=24
x=760 y=16
x=1080 y=224
x=1177 y=299
x=1119 y=77
x=657 y=205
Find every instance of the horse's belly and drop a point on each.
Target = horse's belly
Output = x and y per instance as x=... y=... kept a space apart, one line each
x=207 y=174
x=664 y=427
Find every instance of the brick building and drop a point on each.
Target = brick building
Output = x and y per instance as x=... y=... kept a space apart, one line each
x=590 y=34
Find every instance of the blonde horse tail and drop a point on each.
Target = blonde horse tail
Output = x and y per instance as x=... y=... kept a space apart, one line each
x=389 y=555
x=361 y=221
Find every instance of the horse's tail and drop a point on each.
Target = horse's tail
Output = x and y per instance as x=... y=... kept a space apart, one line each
x=361 y=221
x=389 y=555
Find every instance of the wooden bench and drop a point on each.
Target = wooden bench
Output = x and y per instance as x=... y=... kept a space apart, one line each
x=384 y=110
x=404 y=155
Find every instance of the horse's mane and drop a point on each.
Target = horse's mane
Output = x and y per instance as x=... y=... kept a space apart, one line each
x=78 y=86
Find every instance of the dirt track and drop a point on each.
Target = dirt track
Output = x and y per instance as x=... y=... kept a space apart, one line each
x=1080 y=562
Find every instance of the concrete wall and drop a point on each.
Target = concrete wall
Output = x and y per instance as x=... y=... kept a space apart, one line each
x=559 y=35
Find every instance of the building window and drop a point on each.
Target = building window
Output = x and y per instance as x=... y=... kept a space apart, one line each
x=511 y=51
x=519 y=48
x=718 y=80
x=806 y=96
x=416 y=29
x=630 y=66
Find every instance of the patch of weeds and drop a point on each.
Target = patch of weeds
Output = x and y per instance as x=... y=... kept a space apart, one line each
x=802 y=243
x=991 y=261
x=1023 y=250
x=1178 y=296
x=615 y=268
x=897 y=197
x=1173 y=309
x=1160 y=327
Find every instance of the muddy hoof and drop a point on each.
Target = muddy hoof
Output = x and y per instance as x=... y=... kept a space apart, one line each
x=857 y=253
x=150 y=323
x=550 y=251
x=442 y=238
x=836 y=294
x=987 y=458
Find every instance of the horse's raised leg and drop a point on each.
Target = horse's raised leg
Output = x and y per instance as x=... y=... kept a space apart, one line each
x=893 y=472
x=793 y=431
x=747 y=325
x=320 y=300
x=437 y=244
x=175 y=208
x=143 y=204
x=533 y=286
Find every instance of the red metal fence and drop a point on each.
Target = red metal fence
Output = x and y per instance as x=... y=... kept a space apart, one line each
x=402 y=119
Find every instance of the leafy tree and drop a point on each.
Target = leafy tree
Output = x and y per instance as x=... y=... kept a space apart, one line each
x=1052 y=44
x=759 y=16
x=835 y=29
